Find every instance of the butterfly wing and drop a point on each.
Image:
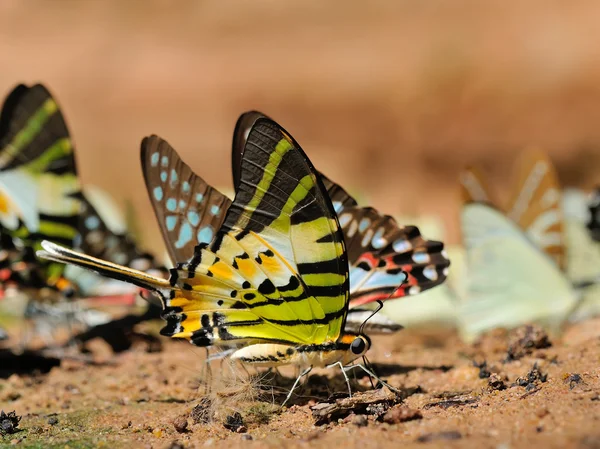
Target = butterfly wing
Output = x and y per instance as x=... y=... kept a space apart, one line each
x=535 y=204
x=339 y=197
x=371 y=278
x=37 y=169
x=473 y=188
x=386 y=260
x=277 y=269
x=511 y=281
x=188 y=210
x=240 y=135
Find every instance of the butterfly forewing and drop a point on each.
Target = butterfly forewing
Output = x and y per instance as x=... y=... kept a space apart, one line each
x=37 y=169
x=188 y=210
x=277 y=269
x=535 y=204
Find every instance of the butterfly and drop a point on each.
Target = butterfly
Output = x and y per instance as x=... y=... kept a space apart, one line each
x=514 y=256
x=41 y=198
x=37 y=178
x=189 y=212
x=273 y=282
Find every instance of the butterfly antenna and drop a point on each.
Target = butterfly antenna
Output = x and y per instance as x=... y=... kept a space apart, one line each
x=379 y=307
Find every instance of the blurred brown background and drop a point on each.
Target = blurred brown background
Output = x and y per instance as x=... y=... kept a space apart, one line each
x=389 y=98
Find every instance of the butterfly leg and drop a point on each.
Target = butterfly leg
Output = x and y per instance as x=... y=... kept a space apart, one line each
x=345 y=376
x=373 y=375
x=302 y=374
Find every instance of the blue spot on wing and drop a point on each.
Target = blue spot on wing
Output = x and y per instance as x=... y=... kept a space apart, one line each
x=185 y=186
x=163 y=176
x=378 y=241
x=182 y=204
x=205 y=235
x=158 y=193
x=171 y=222
x=185 y=235
x=172 y=204
x=164 y=161
x=174 y=178
x=92 y=222
x=357 y=276
x=199 y=197
x=214 y=209
x=154 y=159
x=364 y=224
x=383 y=279
x=193 y=217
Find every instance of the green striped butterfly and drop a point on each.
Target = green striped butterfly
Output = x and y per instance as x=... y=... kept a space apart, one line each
x=41 y=198
x=37 y=176
x=381 y=253
x=274 y=279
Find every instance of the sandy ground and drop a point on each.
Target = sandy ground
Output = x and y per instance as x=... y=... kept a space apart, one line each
x=453 y=400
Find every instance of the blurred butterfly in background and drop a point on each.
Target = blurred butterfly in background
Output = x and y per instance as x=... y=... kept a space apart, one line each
x=516 y=255
x=41 y=198
x=380 y=252
x=273 y=281
x=583 y=253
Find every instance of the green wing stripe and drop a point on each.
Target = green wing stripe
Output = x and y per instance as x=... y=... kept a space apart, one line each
x=32 y=126
x=281 y=199
x=37 y=167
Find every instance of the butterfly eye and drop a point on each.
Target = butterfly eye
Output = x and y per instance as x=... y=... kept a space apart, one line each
x=358 y=346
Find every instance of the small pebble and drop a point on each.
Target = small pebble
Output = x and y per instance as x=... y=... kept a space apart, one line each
x=181 y=424
x=496 y=382
x=247 y=437
x=53 y=420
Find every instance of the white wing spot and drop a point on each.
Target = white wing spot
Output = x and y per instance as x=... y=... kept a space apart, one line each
x=414 y=290
x=345 y=219
x=430 y=273
x=352 y=230
x=367 y=237
x=421 y=257
x=402 y=246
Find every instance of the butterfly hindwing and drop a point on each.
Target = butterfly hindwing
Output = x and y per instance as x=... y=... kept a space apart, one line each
x=188 y=210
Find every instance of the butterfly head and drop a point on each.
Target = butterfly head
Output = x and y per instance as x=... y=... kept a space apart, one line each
x=355 y=346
